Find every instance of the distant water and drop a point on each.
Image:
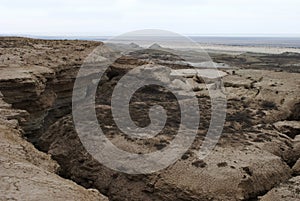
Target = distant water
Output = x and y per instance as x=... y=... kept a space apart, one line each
x=282 y=42
x=288 y=42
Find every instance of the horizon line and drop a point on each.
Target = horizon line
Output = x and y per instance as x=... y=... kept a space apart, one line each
x=114 y=35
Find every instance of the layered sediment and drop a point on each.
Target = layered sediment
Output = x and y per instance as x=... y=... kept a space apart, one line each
x=27 y=100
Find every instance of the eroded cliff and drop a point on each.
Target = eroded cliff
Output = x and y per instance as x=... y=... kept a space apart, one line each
x=258 y=149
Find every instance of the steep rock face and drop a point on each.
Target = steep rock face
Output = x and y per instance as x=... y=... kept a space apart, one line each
x=26 y=98
x=39 y=79
x=25 y=88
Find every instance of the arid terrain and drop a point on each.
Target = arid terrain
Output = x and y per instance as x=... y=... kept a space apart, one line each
x=42 y=158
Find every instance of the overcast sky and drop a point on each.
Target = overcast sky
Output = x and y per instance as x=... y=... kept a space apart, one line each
x=113 y=17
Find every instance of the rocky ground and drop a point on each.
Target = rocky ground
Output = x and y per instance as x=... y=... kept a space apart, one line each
x=257 y=156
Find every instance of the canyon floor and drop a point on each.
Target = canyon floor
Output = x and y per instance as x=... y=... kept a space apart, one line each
x=256 y=158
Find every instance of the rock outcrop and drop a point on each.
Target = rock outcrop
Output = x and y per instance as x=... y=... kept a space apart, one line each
x=28 y=174
x=25 y=172
x=296 y=168
x=289 y=191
